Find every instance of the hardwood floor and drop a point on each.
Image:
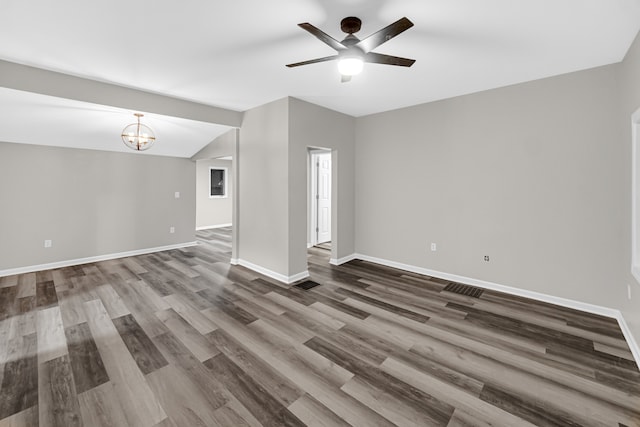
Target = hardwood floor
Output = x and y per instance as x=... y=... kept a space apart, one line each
x=181 y=338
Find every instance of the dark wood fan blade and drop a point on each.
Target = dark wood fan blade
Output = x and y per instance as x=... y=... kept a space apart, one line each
x=322 y=36
x=379 y=58
x=313 y=61
x=344 y=79
x=385 y=34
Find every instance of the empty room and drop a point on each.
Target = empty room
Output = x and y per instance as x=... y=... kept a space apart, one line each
x=320 y=213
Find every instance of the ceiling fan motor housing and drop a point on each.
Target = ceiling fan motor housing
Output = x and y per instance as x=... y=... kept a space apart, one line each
x=350 y=24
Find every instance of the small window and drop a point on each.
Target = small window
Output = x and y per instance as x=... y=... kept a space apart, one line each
x=217 y=182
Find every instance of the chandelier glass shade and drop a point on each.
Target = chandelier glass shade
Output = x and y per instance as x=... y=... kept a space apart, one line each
x=137 y=136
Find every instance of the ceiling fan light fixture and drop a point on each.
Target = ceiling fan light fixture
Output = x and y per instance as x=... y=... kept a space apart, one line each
x=137 y=136
x=353 y=52
x=350 y=66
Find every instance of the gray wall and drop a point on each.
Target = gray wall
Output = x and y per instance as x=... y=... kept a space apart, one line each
x=536 y=175
x=89 y=203
x=263 y=187
x=218 y=210
x=273 y=147
x=532 y=175
x=222 y=146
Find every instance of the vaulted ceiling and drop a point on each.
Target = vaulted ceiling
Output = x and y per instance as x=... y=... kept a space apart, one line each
x=232 y=54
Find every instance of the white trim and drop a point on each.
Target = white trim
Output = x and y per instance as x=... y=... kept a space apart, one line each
x=342 y=260
x=635 y=201
x=234 y=261
x=628 y=336
x=309 y=245
x=564 y=302
x=313 y=192
x=589 y=308
x=78 y=261
x=635 y=271
x=635 y=140
x=302 y=275
x=270 y=273
x=209 y=227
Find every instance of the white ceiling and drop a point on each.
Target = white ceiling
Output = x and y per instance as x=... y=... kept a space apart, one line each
x=232 y=54
x=33 y=118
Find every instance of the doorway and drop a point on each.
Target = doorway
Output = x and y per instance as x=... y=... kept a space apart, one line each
x=320 y=194
x=216 y=204
x=214 y=193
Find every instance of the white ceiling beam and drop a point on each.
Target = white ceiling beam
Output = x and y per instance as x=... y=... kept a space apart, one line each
x=37 y=80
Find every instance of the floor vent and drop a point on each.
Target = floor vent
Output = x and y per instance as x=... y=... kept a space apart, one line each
x=458 y=288
x=306 y=285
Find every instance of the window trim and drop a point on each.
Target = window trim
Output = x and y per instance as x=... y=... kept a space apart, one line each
x=226 y=182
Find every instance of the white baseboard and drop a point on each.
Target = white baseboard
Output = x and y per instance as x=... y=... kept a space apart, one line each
x=538 y=296
x=234 y=261
x=210 y=227
x=299 y=276
x=342 y=260
x=564 y=302
x=269 y=273
x=87 y=260
x=628 y=336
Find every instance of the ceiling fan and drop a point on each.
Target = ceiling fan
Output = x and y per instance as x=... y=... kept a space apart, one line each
x=353 y=52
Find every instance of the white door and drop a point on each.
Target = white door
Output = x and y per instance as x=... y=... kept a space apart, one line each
x=323 y=192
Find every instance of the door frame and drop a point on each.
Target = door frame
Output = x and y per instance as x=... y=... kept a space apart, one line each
x=312 y=235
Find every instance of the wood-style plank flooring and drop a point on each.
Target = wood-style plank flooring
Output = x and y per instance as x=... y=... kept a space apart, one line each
x=181 y=338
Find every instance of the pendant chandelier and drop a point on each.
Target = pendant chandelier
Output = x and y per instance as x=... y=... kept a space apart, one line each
x=137 y=136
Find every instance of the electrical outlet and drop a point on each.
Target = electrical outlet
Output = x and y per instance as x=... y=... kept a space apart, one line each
x=433 y=247
x=48 y=243
x=172 y=230
x=176 y=194
x=486 y=258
